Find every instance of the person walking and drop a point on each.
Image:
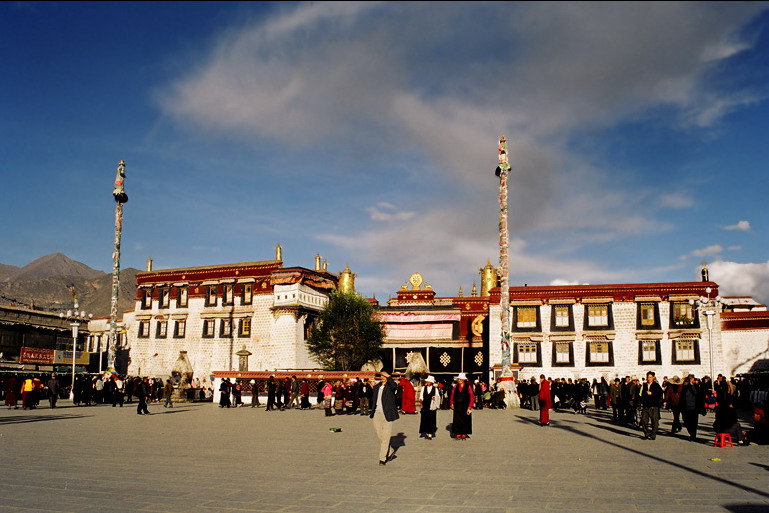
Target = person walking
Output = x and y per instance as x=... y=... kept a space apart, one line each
x=431 y=401
x=53 y=390
x=272 y=388
x=168 y=390
x=117 y=391
x=254 y=394
x=461 y=402
x=673 y=403
x=384 y=411
x=651 y=398
x=143 y=394
x=545 y=401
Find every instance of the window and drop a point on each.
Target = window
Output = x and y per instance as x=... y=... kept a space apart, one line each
x=245 y=327
x=181 y=299
x=247 y=296
x=599 y=353
x=647 y=314
x=226 y=328
x=180 y=329
x=209 y=327
x=685 y=350
x=561 y=316
x=527 y=317
x=162 y=329
x=211 y=296
x=144 y=329
x=648 y=350
x=227 y=298
x=598 y=316
x=146 y=299
x=164 y=297
x=682 y=314
x=527 y=353
x=562 y=353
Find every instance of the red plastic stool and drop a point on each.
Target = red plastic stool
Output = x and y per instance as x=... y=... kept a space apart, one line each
x=722 y=440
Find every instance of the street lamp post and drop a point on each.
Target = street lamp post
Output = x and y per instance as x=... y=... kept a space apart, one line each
x=708 y=307
x=75 y=317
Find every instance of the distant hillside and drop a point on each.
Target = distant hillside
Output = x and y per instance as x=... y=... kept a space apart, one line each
x=45 y=284
x=7 y=270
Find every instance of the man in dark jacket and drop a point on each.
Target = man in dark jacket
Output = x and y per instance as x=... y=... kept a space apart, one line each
x=53 y=390
x=384 y=411
x=651 y=398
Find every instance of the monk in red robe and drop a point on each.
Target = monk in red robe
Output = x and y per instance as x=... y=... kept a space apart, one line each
x=545 y=401
x=408 y=395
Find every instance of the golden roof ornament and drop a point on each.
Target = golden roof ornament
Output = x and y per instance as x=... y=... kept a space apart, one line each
x=489 y=279
x=279 y=253
x=416 y=281
x=149 y=264
x=474 y=291
x=461 y=294
x=347 y=280
x=317 y=262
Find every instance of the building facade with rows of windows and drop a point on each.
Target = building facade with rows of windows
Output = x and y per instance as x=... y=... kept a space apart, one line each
x=257 y=316
x=629 y=329
x=238 y=317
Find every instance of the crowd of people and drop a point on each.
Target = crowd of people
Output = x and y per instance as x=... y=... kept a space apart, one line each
x=633 y=402
x=88 y=390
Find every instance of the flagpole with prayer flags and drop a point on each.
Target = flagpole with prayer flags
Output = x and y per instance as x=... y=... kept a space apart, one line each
x=118 y=192
x=504 y=289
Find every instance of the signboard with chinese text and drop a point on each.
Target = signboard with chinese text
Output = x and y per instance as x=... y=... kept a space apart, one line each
x=35 y=355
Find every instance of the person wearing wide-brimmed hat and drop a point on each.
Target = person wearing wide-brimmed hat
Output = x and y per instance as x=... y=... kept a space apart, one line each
x=461 y=401
x=431 y=401
x=673 y=402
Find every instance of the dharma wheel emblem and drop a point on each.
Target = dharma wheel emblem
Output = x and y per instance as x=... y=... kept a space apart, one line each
x=445 y=359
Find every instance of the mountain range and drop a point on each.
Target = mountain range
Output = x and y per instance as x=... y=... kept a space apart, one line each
x=47 y=283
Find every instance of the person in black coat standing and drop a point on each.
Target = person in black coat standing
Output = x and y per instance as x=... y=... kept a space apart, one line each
x=142 y=394
x=651 y=398
x=430 y=402
x=384 y=411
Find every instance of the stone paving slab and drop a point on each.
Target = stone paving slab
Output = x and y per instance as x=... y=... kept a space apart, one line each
x=198 y=457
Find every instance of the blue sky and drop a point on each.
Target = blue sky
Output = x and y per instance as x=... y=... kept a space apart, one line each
x=367 y=132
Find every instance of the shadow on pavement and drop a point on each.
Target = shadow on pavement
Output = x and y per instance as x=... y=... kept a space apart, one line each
x=38 y=418
x=746 y=508
x=700 y=473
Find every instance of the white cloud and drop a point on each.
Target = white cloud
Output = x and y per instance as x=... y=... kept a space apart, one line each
x=713 y=249
x=734 y=248
x=379 y=214
x=742 y=279
x=742 y=226
x=438 y=86
x=675 y=201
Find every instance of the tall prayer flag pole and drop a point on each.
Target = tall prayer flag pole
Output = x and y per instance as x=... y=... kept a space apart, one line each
x=504 y=301
x=120 y=197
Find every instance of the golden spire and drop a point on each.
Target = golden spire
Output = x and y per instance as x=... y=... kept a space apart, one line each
x=149 y=264
x=489 y=279
x=474 y=291
x=460 y=291
x=317 y=262
x=347 y=280
x=279 y=253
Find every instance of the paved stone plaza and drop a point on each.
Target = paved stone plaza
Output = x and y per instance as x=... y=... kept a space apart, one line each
x=200 y=458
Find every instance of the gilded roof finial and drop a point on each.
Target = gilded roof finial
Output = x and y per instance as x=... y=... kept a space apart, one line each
x=474 y=291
